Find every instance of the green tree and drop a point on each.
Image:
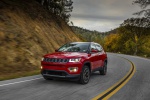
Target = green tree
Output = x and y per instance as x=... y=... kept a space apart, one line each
x=61 y=8
x=134 y=29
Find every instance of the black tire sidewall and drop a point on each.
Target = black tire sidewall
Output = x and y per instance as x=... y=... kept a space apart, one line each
x=104 y=69
x=82 y=80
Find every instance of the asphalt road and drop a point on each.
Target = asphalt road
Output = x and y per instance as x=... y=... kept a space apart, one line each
x=36 y=88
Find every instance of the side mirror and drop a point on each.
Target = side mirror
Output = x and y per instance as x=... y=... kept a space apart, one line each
x=56 y=50
x=94 y=51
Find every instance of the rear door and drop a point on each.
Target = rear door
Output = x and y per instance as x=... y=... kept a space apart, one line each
x=99 y=55
x=94 y=56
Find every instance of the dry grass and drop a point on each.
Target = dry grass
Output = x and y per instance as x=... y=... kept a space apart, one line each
x=27 y=32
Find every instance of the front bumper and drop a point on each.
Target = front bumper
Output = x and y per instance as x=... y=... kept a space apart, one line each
x=59 y=74
x=54 y=66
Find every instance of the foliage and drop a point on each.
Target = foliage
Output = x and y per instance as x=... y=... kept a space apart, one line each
x=145 y=47
x=137 y=28
x=133 y=35
x=129 y=40
x=61 y=8
x=87 y=35
x=137 y=22
x=143 y=4
x=111 y=43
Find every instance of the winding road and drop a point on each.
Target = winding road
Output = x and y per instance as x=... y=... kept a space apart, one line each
x=36 y=88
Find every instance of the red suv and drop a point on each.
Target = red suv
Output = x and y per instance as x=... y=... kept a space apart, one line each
x=76 y=60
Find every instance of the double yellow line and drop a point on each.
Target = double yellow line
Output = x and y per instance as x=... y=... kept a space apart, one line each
x=116 y=87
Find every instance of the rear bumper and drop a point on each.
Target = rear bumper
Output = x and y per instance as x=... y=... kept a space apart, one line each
x=59 y=74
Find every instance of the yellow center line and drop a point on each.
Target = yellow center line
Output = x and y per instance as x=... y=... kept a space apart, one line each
x=116 y=87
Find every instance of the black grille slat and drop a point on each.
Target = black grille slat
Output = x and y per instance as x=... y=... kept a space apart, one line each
x=59 y=73
x=59 y=60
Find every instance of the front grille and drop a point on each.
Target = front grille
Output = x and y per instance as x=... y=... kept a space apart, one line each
x=57 y=60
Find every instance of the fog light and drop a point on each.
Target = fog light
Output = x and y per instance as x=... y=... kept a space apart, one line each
x=73 y=69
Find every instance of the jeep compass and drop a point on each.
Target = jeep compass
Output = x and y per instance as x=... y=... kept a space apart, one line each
x=76 y=60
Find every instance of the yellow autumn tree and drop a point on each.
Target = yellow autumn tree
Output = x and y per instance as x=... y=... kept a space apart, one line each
x=111 y=43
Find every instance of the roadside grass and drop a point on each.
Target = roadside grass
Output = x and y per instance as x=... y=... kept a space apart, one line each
x=18 y=75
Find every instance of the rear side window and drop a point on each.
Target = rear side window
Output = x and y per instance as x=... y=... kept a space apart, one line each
x=93 y=47
x=99 y=48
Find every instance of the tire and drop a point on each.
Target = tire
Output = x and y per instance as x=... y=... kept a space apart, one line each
x=85 y=75
x=104 y=69
x=46 y=78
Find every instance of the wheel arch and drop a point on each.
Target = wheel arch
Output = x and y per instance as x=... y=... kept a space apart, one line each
x=106 y=60
x=87 y=64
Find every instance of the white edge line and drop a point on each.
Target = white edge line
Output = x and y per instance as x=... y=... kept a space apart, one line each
x=20 y=81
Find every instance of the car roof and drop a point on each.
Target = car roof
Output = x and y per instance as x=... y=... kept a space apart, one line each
x=87 y=42
x=83 y=42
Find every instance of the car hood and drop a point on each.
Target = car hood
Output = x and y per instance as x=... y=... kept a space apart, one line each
x=66 y=55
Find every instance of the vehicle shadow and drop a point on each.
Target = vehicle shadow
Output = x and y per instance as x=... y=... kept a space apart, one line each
x=94 y=76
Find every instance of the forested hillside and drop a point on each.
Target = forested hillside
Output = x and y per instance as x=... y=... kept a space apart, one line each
x=133 y=35
x=27 y=32
x=88 y=35
x=130 y=38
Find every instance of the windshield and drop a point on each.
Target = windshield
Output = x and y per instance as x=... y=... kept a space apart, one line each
x=74 y=47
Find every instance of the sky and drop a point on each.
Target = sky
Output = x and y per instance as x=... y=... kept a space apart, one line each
x=102 y=15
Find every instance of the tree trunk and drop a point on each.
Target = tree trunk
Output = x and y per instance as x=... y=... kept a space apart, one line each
x=136 y=49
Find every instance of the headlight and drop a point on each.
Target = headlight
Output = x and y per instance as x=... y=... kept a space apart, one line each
x=42 y=59
x=75 y=60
